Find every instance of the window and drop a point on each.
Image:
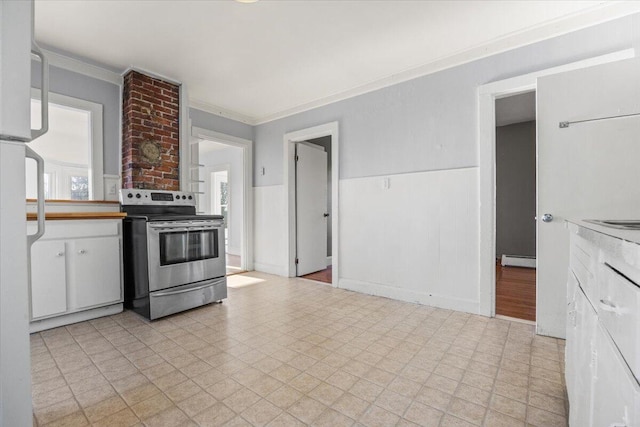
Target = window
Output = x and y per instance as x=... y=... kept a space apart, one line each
x=71 y=149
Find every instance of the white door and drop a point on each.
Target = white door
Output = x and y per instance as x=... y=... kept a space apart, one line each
x=311 y=209
x=587 y=170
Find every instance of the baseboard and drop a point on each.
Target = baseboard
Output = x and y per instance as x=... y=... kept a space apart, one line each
x=270 y=269
x=440 y=301
x=518 y=261
x=329 y=262
x=68 y=319
x=234 y=251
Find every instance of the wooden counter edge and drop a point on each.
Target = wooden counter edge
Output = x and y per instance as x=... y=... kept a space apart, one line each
x=78 y=202
x=32 y=216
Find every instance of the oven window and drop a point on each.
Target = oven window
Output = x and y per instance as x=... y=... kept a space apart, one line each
x=185 y=246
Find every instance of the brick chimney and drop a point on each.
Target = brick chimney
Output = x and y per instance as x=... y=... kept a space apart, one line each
x=150 y=133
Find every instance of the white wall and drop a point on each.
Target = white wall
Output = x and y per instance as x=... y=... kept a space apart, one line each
x=415 y=241
x=419 y=241
x=270 y=227
x=212 y=160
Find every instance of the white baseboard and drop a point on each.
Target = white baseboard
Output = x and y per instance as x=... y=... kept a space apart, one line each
x=234 y=251
x=68 y=319
x=278 y=270
x=518 y=261
x=329 y=262
x=440 y=301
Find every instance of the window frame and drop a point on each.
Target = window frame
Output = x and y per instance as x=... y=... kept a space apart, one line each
x=96 y=148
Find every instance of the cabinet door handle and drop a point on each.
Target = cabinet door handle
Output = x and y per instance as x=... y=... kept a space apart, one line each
x=82 y=251
x=60 y=254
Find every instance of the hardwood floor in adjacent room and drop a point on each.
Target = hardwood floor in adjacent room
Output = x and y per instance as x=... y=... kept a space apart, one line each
x=320 y=276
x=516 y=292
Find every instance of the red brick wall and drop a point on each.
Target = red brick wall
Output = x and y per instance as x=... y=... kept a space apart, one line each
x=150 y=113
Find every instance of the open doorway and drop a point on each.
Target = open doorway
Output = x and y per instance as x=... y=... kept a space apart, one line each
x=515 y=180
x=328 y=214
x=313 y=207
x=221 y=181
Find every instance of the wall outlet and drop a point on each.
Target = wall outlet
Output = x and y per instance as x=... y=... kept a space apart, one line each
x=113 y=189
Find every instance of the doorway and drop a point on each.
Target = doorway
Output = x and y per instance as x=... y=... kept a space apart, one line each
x=330 y=132
x=221 y=177
x=549 y=318
x=516 y=206
x=313 y=207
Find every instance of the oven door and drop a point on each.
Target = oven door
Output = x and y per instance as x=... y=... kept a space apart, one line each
x=181 y=252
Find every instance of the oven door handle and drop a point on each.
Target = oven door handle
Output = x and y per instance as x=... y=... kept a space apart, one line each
x=182 y=229
x=181 y=291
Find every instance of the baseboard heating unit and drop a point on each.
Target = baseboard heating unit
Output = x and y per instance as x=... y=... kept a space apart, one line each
x=518 y=261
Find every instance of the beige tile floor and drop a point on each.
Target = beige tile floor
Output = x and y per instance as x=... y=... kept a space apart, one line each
x=291 y=352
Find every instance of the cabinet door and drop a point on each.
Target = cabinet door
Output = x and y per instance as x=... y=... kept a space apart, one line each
x=581 y=397
x=616 y=395
x=95 y=272
x=48 y=278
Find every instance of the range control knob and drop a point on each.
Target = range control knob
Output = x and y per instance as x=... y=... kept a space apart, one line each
x=130 y=195
x=184 y=197
x=190 y=197
x=138 y=195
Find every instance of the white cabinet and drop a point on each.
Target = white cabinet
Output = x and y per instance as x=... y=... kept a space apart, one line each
x=48 y=278
x=602 y=329
x=76 y=268
x=95 y=271
x=616 y=394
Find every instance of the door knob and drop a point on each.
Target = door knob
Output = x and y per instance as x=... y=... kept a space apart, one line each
x=547 y=217
x=325 y=215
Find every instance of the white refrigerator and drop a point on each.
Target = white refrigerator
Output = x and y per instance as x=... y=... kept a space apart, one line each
x=16 y=49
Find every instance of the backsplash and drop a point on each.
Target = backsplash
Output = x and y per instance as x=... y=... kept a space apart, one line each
x=150 y=133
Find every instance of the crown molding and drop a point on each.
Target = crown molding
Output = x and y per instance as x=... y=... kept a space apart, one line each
x=65 y=62
x=222 y=112
x=599 y=14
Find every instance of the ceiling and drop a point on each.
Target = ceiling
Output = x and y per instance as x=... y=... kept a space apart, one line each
x=256 y=62
x=516 y=109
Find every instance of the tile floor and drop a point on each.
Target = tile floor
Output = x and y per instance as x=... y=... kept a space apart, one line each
x=287 y=352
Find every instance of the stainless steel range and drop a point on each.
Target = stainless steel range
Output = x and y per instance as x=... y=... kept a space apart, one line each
x=174 y=260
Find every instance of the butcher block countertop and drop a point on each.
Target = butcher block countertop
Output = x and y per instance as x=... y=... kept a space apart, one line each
x=52 y=216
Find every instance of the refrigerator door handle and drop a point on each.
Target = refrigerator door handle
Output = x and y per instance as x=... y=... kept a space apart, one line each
x=30 y=154
x=44 y=89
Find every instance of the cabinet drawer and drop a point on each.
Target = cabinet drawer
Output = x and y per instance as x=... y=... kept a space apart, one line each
x=78 y=229
x=618 y=306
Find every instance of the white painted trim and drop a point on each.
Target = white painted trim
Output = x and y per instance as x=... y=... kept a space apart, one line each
x=184 y=141
x=79 y=316
x=278 y=270
x=289 y=140
x=431 y=299
x=77 y=66
x=220 y=111
x=487 y=94
x=96 y=150
x=247 y=158
x=597 y=15
x=329 y=260
x=154 y=75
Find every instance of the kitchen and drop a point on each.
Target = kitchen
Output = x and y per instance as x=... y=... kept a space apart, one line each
x=432 y=115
